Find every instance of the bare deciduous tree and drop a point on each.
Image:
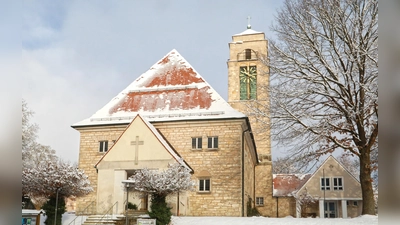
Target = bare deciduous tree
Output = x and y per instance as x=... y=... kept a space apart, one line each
x=323 y=82
x=298 y=164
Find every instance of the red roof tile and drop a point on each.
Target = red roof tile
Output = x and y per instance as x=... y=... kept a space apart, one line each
x=287 y=184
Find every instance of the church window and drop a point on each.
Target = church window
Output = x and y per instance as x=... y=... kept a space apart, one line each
x=259 y=201
x=204 y=185
x=103 y=146
x=197 y=143
x=212 y=142
x=248 y=82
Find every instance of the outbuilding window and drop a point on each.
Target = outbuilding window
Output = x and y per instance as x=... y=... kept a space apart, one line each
x=337 y=183
x=325 y=184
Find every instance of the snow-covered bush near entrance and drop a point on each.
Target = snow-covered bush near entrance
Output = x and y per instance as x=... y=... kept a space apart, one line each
x=172 y=180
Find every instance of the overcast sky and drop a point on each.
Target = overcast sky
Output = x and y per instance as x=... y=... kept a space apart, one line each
x=78 y=55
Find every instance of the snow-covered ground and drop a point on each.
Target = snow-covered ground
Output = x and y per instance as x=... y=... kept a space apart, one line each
x=370 y=220
x=271 y=221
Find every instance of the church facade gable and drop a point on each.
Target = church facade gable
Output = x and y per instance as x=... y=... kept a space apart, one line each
x=139 y=146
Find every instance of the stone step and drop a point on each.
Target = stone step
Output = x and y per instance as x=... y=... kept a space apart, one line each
x=102 y=220
x=136 y=212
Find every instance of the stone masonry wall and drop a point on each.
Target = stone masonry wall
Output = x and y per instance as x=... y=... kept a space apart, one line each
x=89 y=155
x=223 y=165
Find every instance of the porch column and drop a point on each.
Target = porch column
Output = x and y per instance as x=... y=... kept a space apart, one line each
x=321 y=208
x=344 y=208
x=119 y=191
x=298 y=209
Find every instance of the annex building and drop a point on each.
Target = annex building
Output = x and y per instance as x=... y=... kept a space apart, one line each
x=171 y=114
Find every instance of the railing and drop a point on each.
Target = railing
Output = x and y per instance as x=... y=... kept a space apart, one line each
x=109 y=213
x=83 y=216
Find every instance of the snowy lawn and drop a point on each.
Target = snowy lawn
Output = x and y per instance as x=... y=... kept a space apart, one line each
x=270 y=221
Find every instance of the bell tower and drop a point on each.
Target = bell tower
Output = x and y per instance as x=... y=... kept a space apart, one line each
x=248 y=78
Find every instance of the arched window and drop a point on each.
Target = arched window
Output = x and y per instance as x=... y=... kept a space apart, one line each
x=247 y=54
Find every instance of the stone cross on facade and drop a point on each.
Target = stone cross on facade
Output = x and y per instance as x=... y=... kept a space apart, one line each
x=248 y=22
x=137 y=143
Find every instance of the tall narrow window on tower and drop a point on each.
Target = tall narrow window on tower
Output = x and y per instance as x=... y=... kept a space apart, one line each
x=248 y=82
x=248 y=53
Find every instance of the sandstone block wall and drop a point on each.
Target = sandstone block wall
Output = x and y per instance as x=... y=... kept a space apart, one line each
x=89 y=155
x=223 y=165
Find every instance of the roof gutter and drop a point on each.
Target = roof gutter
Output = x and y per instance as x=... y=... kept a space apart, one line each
x=160 y=121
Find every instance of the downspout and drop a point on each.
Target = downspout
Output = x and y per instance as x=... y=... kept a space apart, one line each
x=254 y=185
x=277 y=207
x=177 y=208
x=243 y=170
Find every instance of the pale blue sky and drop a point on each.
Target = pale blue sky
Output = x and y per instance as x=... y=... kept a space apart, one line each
x=77 y=55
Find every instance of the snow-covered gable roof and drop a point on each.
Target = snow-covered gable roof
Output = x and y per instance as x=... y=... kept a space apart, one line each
x=170 y=90
x=285 y=185
x=157 y=134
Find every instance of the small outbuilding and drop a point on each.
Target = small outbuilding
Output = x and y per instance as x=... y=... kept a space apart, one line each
x=31 y=216
x=330 y=192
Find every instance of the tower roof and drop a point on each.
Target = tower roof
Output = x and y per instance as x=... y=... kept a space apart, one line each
x=170 y=90
x=248 y=31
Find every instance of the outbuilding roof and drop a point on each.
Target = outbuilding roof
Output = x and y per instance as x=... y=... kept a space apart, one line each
x=285 y=185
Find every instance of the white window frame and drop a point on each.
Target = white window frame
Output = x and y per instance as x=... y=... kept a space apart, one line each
x=337 y=187
x=203 y=182
x=214 y=142
x=326 y=187
x=199 y=143
x=355 y=203
x=259 y=201
x=103 y=146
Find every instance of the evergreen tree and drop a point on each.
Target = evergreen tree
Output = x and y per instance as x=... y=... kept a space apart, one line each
x=50 y=207
x=159 y=184
x=159 y=209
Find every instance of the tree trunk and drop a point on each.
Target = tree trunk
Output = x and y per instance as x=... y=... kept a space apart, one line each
x=368 y=205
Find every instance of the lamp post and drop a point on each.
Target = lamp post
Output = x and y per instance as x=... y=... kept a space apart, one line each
x=126 y=205
x=55 y=215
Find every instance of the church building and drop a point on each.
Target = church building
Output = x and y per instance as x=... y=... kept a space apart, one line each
x=171 y=114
